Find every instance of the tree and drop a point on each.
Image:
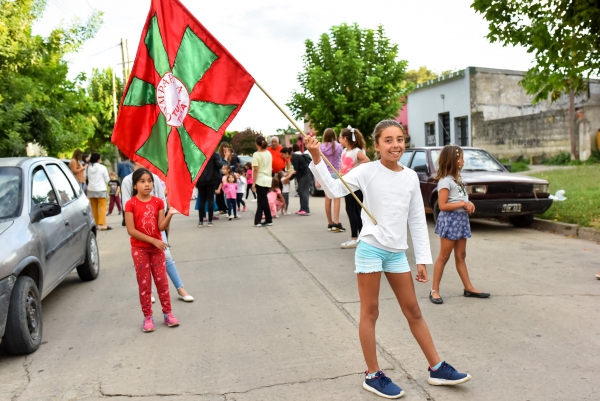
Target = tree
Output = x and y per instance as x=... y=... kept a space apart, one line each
x=37 y=102
x=563 y=35
x=351 y=76
x=422 y=75
x=100 y=91
x=287 y=131
x=243 y=143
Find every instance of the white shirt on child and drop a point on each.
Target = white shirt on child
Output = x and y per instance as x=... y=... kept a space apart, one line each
x=241 y=183
x=393 y=198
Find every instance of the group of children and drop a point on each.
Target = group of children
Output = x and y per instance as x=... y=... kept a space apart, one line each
x=392 y=194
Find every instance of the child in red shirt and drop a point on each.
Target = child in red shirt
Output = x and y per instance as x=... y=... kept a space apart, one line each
x=145 y=220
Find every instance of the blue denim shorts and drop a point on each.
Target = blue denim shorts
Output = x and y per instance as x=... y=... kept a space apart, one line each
x=370 y=259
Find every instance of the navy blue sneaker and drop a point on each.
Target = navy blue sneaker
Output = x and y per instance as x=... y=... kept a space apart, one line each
x=382 y=386
x=446 y=375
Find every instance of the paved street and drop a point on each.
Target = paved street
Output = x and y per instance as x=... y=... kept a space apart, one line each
x=275 y=318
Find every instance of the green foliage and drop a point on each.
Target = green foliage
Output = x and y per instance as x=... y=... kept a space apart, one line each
x=516 y=166
x=287 y=131
x=351 y=76
x=582 y=206
x=100 y=91
x=563 y=35
x=37 y=102
x=561 y=159
x=422 y=75
x=243 y=143
x=228 y=136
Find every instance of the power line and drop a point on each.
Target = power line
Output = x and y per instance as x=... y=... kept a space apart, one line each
x=89 y=5
x=107 y=49
x=59 y=7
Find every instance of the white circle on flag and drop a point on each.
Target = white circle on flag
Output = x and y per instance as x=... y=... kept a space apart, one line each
x=172 y=99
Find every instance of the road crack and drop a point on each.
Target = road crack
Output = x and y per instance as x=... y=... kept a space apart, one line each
x=20 y=393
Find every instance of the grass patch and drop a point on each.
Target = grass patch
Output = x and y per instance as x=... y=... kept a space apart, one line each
x=582 y=190
x=516 y=167
x=564 y=159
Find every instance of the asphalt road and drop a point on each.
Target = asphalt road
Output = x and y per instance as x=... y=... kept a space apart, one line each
x=275 y=318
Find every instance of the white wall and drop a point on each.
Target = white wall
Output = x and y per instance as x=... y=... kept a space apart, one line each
x=424 y=105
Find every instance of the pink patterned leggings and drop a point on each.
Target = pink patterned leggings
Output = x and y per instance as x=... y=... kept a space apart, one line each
x=150 y=262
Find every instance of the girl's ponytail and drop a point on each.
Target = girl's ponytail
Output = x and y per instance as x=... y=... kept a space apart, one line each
x=260 y=141
x=354 y=137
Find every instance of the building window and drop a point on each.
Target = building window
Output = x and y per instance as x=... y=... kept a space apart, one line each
x=430 y=134
x=462 y=131
x=444 y=120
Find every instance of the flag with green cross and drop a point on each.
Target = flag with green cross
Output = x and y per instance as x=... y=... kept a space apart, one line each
x=184 y=90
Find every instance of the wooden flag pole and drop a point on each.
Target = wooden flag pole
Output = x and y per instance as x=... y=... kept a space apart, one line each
x=322 y=155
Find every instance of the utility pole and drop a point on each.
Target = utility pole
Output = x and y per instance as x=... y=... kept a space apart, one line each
x=123 y=60
x=128 y=60
x=114 y=93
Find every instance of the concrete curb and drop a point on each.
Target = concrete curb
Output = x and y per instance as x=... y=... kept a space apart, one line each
x=571 y=230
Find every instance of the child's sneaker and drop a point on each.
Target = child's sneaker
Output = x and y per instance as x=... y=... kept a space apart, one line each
x=237 y=217
x=446 y=375
x=230 y=217
x=244 y=209
x=148 y=326
x=382 y=386
x=340 y=228
x=171 y=320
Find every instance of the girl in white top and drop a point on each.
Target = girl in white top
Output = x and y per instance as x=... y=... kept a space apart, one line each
x=393 y=196
x=97 y=176
x=353 y=142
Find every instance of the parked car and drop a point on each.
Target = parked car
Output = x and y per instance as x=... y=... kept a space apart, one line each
x=46 y=231
x=491 y=187
x=244 y=159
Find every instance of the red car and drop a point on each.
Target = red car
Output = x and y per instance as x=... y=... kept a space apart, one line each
x=491 y=187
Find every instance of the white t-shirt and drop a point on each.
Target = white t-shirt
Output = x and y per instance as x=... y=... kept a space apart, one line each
x=349 y=160
x=241 y=183
x=393 y=198
x=456 y=192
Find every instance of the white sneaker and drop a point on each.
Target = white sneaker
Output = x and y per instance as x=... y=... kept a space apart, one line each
x=253 y=200
x=187 y=298
x=349 y=244
x=153 y=299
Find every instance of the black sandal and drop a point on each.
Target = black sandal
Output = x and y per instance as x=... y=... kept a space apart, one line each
x=106 y=229
x=437 y=301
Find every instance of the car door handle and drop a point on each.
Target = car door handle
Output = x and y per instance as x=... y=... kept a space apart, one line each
x=84 y=213
x=67 y=223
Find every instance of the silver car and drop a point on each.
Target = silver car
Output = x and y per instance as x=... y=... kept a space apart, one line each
x=46 y=231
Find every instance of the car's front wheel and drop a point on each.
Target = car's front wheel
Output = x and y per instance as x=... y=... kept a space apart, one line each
x=23 y=333
x=521 y=221
x=90 y=268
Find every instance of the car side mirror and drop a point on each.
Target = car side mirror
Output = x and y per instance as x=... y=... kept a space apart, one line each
x=45 y=210
x=508 y=167
x=423 y=168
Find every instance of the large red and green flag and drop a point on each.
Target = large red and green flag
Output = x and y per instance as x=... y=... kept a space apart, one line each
x=184 y=90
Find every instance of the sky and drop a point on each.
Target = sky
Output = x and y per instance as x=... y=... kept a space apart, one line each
x=267 y=37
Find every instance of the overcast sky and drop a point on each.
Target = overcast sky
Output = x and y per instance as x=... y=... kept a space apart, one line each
x=267 y=37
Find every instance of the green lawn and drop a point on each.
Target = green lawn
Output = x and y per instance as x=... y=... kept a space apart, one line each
x=582 y=190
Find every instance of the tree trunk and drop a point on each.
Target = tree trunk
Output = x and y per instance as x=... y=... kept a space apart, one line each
x=571 y=117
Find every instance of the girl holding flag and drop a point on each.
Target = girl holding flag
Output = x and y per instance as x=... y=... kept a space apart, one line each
x=392 y=194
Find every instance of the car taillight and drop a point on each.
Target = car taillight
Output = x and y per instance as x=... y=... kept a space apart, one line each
x=476 y=189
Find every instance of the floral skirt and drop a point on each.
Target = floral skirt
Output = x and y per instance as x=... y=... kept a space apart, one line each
x=453 y=225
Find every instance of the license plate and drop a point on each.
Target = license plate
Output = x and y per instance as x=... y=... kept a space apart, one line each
x=511 y=207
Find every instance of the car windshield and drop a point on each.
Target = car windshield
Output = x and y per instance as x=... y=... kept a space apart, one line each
x=11 y=193
x=475 y=160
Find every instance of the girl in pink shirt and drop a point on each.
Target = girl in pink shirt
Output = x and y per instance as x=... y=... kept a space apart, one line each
x=250 y=181
x=230 y=190
x=276 y=200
